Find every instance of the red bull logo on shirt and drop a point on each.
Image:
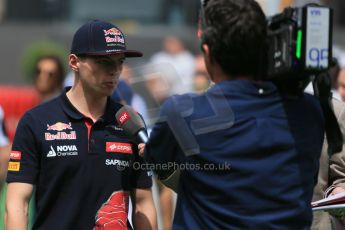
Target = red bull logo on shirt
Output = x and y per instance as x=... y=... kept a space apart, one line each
x=59 y=126
x=60 y=136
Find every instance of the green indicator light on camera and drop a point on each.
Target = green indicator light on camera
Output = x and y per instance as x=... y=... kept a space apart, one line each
x=299 y=44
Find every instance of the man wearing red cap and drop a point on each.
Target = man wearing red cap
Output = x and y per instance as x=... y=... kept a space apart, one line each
x=73 y=152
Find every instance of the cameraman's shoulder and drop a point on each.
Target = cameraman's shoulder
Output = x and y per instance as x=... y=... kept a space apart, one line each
x=311 y=101
x=178 y=103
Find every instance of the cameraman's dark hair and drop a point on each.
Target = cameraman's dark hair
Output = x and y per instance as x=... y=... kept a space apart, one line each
x=235 y=31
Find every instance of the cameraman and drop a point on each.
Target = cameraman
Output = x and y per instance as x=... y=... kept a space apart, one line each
x=272 y=144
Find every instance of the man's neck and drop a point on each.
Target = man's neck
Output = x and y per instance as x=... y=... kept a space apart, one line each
x=219 y=75
x=90 y=105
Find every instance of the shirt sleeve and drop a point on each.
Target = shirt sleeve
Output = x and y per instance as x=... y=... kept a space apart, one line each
x=24 y=160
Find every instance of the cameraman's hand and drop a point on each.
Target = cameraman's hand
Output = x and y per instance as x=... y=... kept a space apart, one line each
x=141 y=148
x=337 y=212
x=337 y=190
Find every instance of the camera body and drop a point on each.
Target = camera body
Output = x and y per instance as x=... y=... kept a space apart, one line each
x=299 y=42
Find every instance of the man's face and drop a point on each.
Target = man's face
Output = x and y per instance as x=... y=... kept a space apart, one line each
x=341 y=84
x=100 y=74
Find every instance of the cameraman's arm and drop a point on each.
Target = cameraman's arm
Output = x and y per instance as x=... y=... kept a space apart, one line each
x=337 y=160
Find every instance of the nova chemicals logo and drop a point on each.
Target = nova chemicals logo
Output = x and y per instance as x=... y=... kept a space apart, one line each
x=63 y=151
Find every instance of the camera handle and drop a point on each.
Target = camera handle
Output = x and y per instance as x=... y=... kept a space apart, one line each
x=322 y=90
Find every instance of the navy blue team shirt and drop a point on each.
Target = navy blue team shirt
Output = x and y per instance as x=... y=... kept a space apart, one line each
x=83 y=171
x=264 y=152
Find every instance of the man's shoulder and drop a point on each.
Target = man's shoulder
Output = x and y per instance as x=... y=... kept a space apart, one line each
x=45 y=109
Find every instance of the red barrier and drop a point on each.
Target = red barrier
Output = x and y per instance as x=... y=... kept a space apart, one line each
x=16 y=100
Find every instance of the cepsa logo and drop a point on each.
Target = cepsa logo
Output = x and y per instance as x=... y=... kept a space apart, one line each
x=118 y=147
x=124 y=117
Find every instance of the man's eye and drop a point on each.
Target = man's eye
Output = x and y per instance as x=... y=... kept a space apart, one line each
x=105 y=62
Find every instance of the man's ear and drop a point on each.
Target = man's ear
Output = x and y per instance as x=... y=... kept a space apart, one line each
x=73 y=62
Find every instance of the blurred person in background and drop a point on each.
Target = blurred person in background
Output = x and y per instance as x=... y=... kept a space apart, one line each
x=201 y=79
x=175 y=65
x=201 y=82
x=49 y=77
x=199 y=64
x=127 y=74
x=125 y=91
x=4 y=154
x=271 y=143
x=73 y=152
x=4 y=148
x=172 y=73
x=125 y=95
x=180 y=11
x=331 y=177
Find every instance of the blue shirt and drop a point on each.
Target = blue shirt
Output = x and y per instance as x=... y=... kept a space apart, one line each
x=248 y=158
x=83 y=171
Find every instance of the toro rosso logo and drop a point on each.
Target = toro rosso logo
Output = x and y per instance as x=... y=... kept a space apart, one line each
x=59 y=126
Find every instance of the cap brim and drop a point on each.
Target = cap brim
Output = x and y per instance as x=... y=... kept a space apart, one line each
x=127 y=53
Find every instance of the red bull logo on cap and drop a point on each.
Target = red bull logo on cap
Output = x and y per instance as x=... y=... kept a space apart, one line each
x=112 y=31
x=115 y=39
x=59 y=126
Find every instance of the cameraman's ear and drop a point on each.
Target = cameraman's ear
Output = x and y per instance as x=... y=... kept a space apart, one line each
x=206 y=51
